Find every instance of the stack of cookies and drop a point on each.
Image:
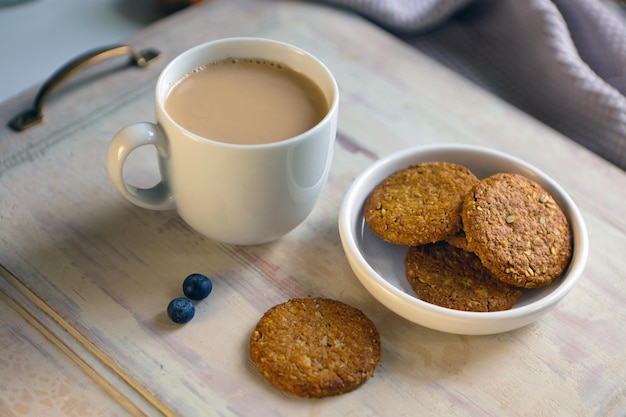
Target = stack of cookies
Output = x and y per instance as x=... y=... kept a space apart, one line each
x=474 y=244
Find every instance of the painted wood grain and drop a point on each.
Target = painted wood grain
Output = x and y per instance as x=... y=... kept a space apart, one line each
x=41 y=374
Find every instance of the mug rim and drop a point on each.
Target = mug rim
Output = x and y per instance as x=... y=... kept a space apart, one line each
x=161 y=91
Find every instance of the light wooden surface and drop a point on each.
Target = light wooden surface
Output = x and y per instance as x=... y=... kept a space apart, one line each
x=86 y=276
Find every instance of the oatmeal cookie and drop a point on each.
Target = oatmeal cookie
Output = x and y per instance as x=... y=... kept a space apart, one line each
x=458 y=240
x=450 y=277
x=419 y=204
x=315 y=347
x=517 y=230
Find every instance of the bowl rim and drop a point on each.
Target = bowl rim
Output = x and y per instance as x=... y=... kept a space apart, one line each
x=350 y=217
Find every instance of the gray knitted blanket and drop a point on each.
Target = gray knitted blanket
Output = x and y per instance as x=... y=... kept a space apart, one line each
x=561 y=61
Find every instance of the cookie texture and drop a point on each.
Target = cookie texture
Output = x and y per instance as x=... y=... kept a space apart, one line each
x=419 y=204
x=315 y=347
x=517 y=230
x=450 y=277
x=458 y=240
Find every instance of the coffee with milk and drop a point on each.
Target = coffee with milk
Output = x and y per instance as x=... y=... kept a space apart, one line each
x=246 y=101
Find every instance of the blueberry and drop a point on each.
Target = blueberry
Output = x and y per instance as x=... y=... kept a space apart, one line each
x=180 y=310
x=197 y=287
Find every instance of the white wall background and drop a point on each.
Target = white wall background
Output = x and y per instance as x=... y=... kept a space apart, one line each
x=39 y=36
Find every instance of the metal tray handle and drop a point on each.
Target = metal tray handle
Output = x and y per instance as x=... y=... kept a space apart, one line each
x=35 y=115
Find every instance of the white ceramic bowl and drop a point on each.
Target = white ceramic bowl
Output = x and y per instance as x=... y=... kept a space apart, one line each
x=380 y=265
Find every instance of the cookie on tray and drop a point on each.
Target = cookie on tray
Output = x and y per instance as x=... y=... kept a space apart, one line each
x=517 y=230
x=450 y=277
x=419 y=204
x=315 y=347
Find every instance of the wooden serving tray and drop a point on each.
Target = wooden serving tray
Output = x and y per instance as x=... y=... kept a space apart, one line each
x=86 y=276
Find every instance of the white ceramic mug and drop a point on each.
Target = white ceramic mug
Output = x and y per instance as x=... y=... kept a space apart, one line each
x=236 y=194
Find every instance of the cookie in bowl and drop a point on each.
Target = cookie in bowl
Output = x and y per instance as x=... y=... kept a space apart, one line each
x=419 y=204
x=450 y=277
x=517 y=230
x=380 y=265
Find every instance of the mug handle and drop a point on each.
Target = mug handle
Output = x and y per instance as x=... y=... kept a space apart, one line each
x=123 y=143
